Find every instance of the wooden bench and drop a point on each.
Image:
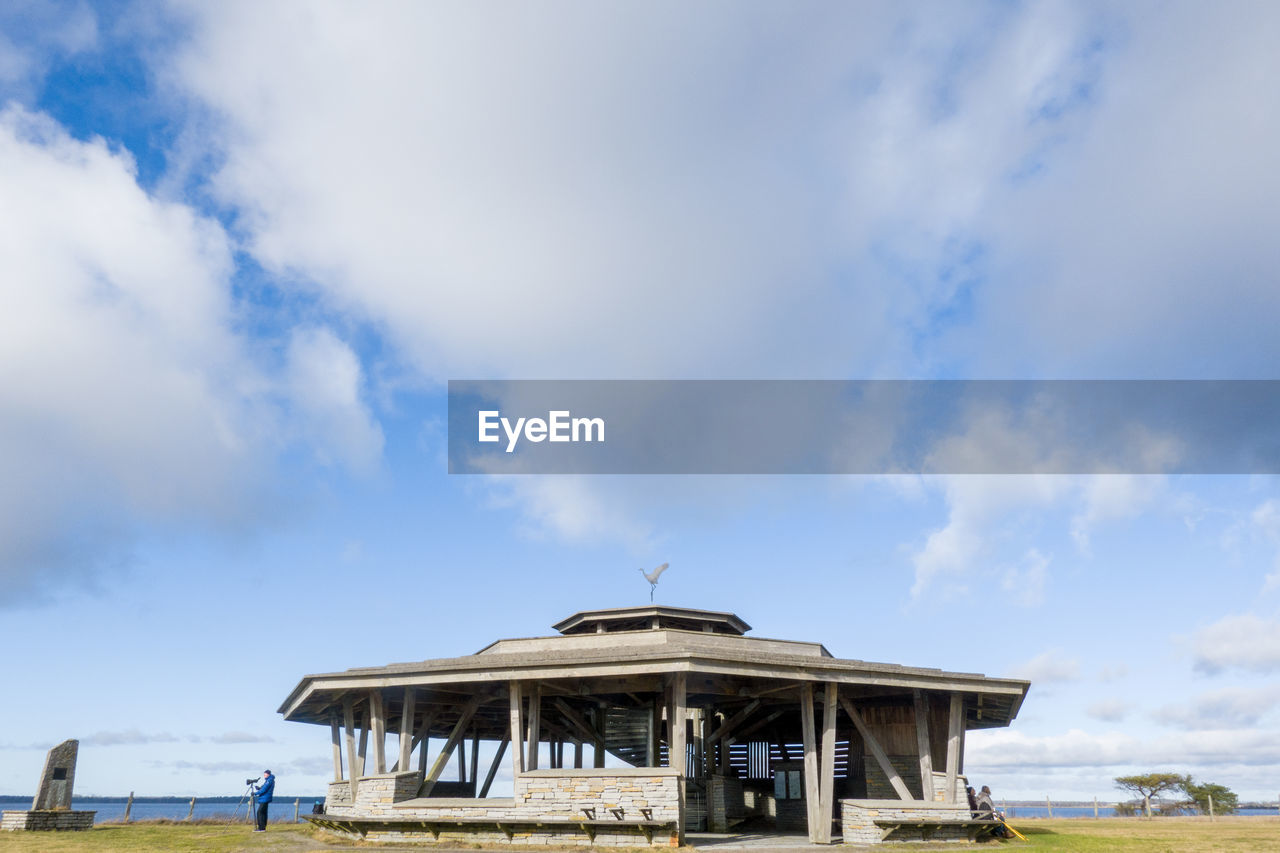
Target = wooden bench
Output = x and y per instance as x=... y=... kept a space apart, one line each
x=926 y=829
x=508 y=826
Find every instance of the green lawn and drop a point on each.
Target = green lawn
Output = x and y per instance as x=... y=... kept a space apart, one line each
x=1110 y=835
x=1138 y=835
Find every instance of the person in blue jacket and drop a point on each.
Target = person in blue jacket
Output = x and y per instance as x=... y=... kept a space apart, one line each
x=263 y=795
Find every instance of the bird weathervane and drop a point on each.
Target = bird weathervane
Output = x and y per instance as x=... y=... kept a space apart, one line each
x=652 y=577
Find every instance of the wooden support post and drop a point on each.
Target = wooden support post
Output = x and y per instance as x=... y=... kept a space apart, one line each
x=877 y=751
x=677 y=745
x=335 y=732
x=651 y=740
x=922 y=744
x=577 y=754
x=599 y=719
x=493 y=768
x=475 y=760
x=424 y=741
x=363 y=750
x=812 y=796
x=955 y=743
x=699 y=743
x=408 y=711
x=1095 y=808
x=378 y=718
x=535 y=725
x=349 y=717
x=296 y=804
x=827 y=781
x=517 y=731
x=128 y=807
x=462 y=760
x=191 y=811
x=455 y=737
x=1048 y=805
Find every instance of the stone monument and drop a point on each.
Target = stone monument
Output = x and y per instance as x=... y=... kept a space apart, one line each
x=51 y=808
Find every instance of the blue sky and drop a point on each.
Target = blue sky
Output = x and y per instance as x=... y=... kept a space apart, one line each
x=246 y=244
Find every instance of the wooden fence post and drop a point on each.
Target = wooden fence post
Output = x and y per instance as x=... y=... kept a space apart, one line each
x=191 y=811
x=1048 y=805
x=1095 y=808
x=295 y=809
x=128 y=807
x=1210 y=808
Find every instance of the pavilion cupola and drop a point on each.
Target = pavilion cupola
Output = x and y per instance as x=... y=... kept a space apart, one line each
x=652 y=618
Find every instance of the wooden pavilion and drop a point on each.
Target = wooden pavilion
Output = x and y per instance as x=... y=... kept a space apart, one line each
x=774 y=733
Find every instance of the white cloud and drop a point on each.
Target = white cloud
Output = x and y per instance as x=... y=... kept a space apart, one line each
x=1024 y=583
x=126 y=397
x=980 y=509
x=1009 y=748
x=1109 y=710
x=1229 y=708
x=1115 y=496
x=1047 y=667
x=1241 y=641
x=325 y=380
x=900 y=193
x=127 y=737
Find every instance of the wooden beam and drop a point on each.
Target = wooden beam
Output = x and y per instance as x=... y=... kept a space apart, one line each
x=812 y=794
x=517 y=731
x=922 y=744
x=535 y=722
x=575 y=720
x=493 y=768
x=408 y=710
x=827 y=781
x=336 y=730
x=349 y=717
x=726 y=728
x=459 y=728
x=475 y=760
x=758 y=724
x=462 y=759
x=877 y=751
x=955 y=739
x=378 y=715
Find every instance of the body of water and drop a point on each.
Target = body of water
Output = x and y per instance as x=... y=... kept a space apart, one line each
x=1014 y=813
x=280 y=811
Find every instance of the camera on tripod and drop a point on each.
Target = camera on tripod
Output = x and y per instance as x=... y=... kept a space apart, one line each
x=251 y=782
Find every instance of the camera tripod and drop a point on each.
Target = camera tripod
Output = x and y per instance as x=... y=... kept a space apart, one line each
x=249 y=799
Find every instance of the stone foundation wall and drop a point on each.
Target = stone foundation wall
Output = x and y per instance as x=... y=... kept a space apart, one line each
x=857 y=818
x=46 y=820
x=726 y=802
x=556 y=794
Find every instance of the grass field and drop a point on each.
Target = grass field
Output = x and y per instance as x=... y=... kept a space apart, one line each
x=1112 y=835
x=1138 y=835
